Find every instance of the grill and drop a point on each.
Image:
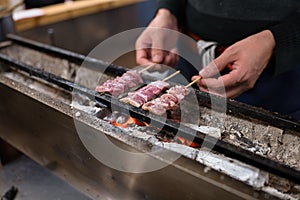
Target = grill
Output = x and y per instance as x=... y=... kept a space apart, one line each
x=72 y=161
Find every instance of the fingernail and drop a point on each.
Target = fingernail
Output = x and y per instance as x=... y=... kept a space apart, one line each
x=194 y=78
x=156 y=58
x=201 y=73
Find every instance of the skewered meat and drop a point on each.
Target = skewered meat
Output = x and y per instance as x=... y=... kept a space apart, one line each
x=168 y=101
x=145 y=94
x=120 y=85
x=179 y=92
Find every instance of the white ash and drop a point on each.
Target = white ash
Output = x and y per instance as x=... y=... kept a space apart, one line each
x=233 y=168
x=186 y=151
x=121 y=119
x=110 y=117
x=77 y=114
x=272 y=191
x=211 y=131
x=37 y=85
x=265 y=140
x=92 y=110
x=40 y=60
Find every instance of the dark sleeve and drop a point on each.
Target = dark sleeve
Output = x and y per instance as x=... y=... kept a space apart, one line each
x=176 y=7
x=287 y=38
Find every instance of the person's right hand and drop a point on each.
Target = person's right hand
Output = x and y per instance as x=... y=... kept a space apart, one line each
x=157 y=44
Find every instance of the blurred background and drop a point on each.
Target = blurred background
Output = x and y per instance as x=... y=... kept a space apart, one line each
x=78 y=25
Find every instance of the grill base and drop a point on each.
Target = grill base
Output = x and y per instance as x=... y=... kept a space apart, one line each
x=48 y=135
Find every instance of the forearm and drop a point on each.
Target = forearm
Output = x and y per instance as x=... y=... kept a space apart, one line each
x=176 y=7
x=164 y=19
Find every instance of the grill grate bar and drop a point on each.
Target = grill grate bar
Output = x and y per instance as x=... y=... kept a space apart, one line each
x=89 y=62
x=247 y=111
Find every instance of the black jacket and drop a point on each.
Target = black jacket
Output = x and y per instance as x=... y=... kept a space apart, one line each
x=227 y=21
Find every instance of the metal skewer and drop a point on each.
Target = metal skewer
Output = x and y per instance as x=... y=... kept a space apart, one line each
x=192 y=83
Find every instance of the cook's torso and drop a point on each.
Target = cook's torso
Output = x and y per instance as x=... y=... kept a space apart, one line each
x=227 y=21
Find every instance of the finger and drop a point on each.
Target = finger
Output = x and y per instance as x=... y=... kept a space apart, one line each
x=225 y=81
x=170 y=60
x=175 y=57
x=217 y=93
x=203 y=89
x=210 y=70
x=195 y=77
x=212 y=83
x=157 y=52
x=142 y=57
x=227 y=92
x=157 y=55
x=233 y=92
x=217 y=65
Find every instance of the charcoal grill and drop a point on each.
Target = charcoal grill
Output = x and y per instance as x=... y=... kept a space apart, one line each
x=55 y=144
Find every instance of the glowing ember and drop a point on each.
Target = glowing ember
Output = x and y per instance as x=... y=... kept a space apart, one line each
x=128 y=122
x=119 y=121
x=186 y=142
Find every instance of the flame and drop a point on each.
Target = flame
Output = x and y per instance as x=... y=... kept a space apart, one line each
x=128 y=122
x=131 y=120
x=187 y=142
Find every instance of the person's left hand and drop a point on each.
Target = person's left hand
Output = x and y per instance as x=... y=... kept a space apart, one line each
x=248 y=59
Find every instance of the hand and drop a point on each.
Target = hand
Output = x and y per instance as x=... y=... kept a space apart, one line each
x=157 y=44
x=248 y=59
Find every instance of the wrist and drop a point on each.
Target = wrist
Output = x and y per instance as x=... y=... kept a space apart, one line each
x=269 y=37
x=165 y=14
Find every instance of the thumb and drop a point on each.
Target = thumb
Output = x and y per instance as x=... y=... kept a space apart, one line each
x=157 y=55
x=217 y=65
